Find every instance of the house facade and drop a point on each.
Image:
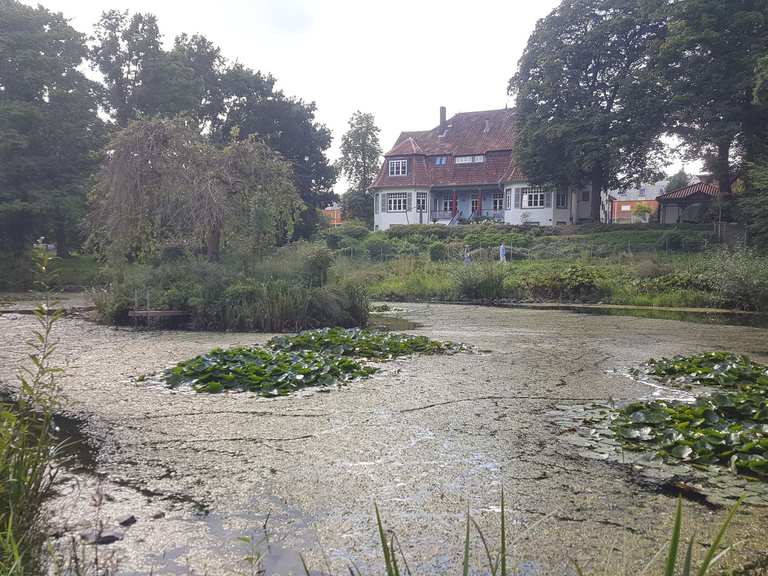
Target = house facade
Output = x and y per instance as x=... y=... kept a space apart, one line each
x=622 y=202
x=464 y=170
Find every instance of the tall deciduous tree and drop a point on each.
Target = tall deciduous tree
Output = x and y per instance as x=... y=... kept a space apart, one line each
x=359 y=163
x=709 y=59
x=162 y=183
x=49 y=127
x=229 y=101
x=589 y=108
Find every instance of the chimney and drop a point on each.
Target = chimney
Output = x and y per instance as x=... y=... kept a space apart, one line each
x=442 y=116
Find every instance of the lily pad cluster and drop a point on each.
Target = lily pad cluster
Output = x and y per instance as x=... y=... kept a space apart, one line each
x=724 y=369
x=726 y=426
x=268 y=372
x=288 y=363
x=361 y=343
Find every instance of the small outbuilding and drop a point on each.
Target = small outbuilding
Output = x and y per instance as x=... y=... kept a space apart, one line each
x=692 y=203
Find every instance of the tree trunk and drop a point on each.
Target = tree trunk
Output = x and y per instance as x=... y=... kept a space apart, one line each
x=214 y=244
x=723 y=166
x=61 y=241
x=596 y=194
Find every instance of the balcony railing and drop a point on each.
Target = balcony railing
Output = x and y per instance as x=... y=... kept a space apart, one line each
x=492 y=214
x=440 y=215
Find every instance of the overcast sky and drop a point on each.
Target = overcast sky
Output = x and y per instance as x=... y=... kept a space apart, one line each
x=399 y=59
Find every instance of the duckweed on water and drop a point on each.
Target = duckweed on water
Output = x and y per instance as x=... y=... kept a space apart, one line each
x=271 y=373
x=726 y=427
x=363 y=343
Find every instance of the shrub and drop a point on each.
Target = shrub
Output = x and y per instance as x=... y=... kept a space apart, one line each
x=670 y=240
x=379 y=247
x=438 y=252
x=739 y=277
x=483 y=282
x=317 y=262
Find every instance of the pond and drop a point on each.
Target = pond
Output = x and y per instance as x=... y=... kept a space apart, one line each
x=425 y=438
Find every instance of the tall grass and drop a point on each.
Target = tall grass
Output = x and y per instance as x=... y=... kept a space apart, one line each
x=28 y=447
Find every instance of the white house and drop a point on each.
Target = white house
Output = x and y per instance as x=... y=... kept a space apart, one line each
x=463 y=170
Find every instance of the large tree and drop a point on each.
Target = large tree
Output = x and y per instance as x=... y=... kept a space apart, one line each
x=163 y=184
x=228 y=101
x=359 y=163
x=50 y=131
x=589 y=110
x=710 y=62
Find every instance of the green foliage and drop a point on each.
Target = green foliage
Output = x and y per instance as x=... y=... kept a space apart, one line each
x=313 y=358
x=438 y=252
x=581 y=85
x=678 y=180
x=195 y=194
x=739 y=278
x=725 y=428
x=271 y=373
x=28 y=446
x=482 y=281
x=50 y=131
x=362 y=343
x=724 y=369
x=359 y=163
x=708 y=61
x=217 y=297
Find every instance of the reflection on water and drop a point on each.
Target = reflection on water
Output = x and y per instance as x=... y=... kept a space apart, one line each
x=391 y=323
x=700 y=317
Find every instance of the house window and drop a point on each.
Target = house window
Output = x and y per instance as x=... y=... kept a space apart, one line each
x=626 y=208
x=498 y=201
x=533 y=198
x=585 y=195
x=446 y=204
x=398 y=167
x=470 y=159
x=475 y=204
x=440 y=160
x=375 y=203
x=561 y=199
x=642 y=191
x=397 y=202
x=508 y=198
x=421 y=201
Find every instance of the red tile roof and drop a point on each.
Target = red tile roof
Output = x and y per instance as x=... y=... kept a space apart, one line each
x=490 y=133
x=687 y=192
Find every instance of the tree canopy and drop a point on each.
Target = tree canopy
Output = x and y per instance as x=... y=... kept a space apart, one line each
x=163 y=185
x=710 y=60
x=50 y=132
x=359 y=163
x=589 y=108
x=227 y=100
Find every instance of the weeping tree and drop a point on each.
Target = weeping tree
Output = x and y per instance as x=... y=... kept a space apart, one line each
x=162 y=184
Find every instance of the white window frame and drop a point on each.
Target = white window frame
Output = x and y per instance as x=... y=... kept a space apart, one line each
x=446 y=204
x=441 y=160
x=464 y=159
x=498 y=201
x=508 y=198
x=475 y=204
x=561 y=195
x=534 y=197
x=479 y=159
x=398 y=167
x=375 y=203
x=421 y=201
x=397 y=202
